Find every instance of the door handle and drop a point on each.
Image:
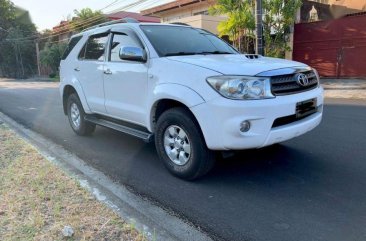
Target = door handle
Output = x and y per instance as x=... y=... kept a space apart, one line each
x=77 y=69
x=107 y=71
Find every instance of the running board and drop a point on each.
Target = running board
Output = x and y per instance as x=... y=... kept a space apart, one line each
x=146 y=136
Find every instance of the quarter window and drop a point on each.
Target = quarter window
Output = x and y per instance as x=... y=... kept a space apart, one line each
x=70 y=46
x=94 y=48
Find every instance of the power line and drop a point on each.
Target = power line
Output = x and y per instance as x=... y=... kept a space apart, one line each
x=84 y=22
x=111 y=4
x=95 y=17
x=65 y=29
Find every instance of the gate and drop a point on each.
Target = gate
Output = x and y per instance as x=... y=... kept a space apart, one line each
x=336 y=48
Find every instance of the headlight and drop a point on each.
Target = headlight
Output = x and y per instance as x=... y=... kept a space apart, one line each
x=241 y=87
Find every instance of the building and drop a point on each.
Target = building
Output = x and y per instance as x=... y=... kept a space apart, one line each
x=139 y=17
x=329 y=9
x=62 y=30
x=192 y=12
x=64 y=33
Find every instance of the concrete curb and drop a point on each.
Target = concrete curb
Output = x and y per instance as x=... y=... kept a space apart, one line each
x=155 y=222
x=344 y=88
x=343 y=84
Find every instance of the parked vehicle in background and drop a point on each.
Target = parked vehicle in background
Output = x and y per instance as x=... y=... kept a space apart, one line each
x=187 y=90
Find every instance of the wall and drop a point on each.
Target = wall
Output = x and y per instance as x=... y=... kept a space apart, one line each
x=202 y=21
x=195 y=15
x=336 y=48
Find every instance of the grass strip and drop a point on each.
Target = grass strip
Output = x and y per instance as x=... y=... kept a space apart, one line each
x=38 y=199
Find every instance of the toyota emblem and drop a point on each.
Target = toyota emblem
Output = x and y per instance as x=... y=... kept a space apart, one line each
x=302 y=80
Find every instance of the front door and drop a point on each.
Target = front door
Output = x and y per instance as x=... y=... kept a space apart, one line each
x=125 y=82
x=90 y=71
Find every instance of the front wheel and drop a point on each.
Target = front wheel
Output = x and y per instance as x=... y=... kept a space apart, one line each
x=181 y=146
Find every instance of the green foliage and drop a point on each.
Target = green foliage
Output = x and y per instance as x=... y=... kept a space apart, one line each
x=7 y=14
x=86 y=18
x=51 y=55
x=240 y=20
x=17 y=56
x=278 y=17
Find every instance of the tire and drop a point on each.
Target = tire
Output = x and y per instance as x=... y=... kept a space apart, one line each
x=74 y=110
x=196 y=159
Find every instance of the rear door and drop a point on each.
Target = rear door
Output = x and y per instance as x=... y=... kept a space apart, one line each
x=125 y=82
x=89 y=70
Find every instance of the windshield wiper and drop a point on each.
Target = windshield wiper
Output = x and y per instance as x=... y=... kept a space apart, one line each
x=180 y=53
x=217 y=52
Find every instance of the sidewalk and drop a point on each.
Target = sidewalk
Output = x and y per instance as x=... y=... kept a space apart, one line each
x=344 y=88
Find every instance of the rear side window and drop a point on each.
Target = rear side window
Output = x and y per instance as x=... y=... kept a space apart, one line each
x=72 y=43
x=94 y=48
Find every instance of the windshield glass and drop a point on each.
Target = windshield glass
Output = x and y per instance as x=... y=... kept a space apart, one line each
x=176 y=40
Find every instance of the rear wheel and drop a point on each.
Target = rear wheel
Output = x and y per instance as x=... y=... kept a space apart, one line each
x=76 y=115
x=181 y=146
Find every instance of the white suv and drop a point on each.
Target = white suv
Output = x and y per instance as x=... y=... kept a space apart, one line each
x=186 y=89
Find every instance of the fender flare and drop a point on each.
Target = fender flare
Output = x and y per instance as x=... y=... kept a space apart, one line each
x=74 y=83
x=171 y=91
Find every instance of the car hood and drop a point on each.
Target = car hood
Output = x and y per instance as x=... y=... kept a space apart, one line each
x=236 y=64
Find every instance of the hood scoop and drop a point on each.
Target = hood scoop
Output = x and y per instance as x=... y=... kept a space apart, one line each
x=252 y=56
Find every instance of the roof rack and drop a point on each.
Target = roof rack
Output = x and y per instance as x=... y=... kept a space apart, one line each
x=180 y=23
x=123 y=20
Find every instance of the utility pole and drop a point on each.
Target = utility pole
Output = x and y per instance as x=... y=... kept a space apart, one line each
x=38 y=60
x=259 y=27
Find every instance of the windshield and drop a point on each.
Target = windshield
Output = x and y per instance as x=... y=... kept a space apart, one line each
x=176 y=40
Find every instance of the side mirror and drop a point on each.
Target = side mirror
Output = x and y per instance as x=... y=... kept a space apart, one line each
x=132 y=54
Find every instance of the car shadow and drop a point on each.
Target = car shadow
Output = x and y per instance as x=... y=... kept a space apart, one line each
x=271 y=164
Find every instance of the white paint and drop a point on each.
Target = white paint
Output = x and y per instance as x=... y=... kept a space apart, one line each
x=127 y=93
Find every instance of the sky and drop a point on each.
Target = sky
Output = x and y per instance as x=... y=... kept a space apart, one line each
x=47 y=13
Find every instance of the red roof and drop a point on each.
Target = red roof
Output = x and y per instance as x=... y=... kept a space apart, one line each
x=137 y=16
x=63 y=25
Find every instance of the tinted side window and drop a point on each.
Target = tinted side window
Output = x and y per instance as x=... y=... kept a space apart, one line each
x=94 y=47
x=121 y=40
x=72 y=43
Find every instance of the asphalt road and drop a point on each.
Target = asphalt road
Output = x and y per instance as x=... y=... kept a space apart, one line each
x=310 y=188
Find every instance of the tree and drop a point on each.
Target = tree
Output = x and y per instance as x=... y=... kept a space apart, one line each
x=51 y=54
x=279 y=16
x=86 y=18
x=17 y=34
x=240 y=21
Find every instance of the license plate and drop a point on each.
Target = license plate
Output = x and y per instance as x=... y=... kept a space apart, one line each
x=305 y=108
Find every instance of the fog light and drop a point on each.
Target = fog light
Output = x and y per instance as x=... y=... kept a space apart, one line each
x=244 y=126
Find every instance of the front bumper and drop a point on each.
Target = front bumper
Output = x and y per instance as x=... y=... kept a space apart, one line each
x=220 y=120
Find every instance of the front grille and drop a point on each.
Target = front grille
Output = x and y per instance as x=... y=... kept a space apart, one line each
x=287 y=84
